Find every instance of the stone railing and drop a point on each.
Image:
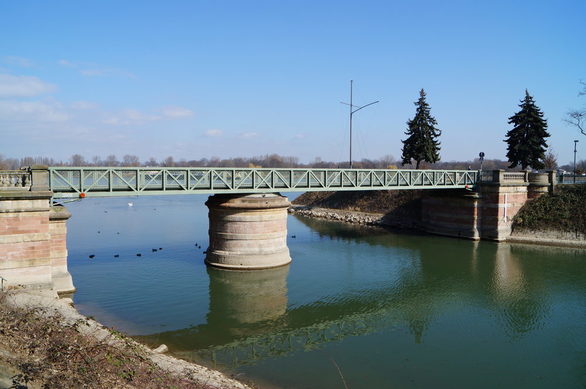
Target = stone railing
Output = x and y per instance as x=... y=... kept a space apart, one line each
x=504 y=177
x=15 y=180
x=538 y=183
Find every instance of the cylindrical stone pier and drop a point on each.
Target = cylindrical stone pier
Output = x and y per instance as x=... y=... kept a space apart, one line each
x=248 y=232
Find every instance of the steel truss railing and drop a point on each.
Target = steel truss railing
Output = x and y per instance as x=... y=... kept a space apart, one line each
x=67 y=182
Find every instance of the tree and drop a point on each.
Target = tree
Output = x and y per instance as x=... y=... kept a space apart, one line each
x=526 y=141
x=421 y=143
x=77 y=160
x=130 y=160
x=577 y=117
x=169 y=162
x=550 y=160
x=111 y=160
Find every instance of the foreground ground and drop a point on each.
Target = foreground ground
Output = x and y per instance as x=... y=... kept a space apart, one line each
x=46 y=343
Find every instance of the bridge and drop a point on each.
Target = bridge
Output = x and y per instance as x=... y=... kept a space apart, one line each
x=247 y=214
x=68 y=182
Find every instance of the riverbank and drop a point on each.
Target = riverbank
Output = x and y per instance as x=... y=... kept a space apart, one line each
x=45 y=342
x=399 y=210
x=552 y=219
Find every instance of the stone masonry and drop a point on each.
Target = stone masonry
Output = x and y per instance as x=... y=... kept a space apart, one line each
x=33 y=249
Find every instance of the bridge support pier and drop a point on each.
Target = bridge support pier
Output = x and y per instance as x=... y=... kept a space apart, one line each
x=248 y=232
x=33 y=248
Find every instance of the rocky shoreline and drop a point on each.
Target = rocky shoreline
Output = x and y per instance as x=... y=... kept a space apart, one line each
x=363 y=218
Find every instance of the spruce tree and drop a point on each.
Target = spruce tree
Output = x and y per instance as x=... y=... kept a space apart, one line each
x=421 y=143
x=526 y=141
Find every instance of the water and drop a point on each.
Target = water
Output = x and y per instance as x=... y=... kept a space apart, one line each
x=364 y=308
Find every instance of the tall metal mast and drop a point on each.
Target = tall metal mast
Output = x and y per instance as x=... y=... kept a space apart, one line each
x=352 y=112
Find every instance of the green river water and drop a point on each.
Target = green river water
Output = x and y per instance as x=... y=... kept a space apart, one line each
x=356 y=308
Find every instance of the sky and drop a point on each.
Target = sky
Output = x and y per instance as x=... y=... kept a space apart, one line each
x=201 y=79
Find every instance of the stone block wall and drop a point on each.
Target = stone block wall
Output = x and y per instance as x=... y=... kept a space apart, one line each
x=498 y=206
x=489 y=212
x=62 y=282
x=33 y=235
x=25 y=252
x=453 y=213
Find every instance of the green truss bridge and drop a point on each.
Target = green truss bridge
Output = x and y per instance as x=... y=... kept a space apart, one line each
x=74 y=182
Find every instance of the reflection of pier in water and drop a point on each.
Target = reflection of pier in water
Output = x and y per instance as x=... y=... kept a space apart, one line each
x=248 y=318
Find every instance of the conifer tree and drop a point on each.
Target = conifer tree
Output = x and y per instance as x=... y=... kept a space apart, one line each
x=421 y=143
x=526 y=141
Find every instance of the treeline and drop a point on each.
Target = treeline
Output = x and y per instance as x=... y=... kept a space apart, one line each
x=269 y=161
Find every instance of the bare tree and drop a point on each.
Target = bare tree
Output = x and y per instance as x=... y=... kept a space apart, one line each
x=130 y=160
x=77 y=160
x=550 y=160
x=151 y=162
x=577 y=117
x=111 y=160
x=169 y=162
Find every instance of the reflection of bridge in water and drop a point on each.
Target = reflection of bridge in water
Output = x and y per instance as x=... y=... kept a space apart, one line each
x=247 y=323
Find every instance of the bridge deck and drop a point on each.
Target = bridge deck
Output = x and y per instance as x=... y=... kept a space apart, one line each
x=69 y=182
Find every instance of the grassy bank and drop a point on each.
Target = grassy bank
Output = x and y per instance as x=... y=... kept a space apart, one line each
x=565 y=210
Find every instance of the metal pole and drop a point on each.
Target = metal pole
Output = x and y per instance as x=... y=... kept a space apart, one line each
x=351 y=113
x=575 y=143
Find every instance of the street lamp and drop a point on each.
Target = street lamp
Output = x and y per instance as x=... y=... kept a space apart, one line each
x=575 y=143
x=481 y=157
x=352 y=112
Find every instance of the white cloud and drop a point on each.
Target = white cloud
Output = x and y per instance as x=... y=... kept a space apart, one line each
x=176 y=112
x=34 y=111
x=248 y=135
x=83 y=105
x=64 y=62
x=134 y=116
x=94 y=70
x=214 y=133
x=131 y=116
x=23 y=86
x=19 y=61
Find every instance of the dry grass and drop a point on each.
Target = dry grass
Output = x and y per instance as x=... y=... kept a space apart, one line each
x=50 y=354
x=377 y=201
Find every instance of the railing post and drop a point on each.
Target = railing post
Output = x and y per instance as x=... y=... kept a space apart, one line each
x=552 y=178
x=39 y=178
x=498 y=175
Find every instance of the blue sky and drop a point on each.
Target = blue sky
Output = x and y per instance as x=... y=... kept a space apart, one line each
x=197 y=79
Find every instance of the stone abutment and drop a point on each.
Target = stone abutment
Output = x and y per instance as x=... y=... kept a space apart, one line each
x=488 y=212
x=33 y=245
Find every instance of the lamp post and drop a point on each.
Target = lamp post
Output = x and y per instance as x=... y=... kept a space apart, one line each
x=481 y=157
x=352 y=112
x=575 y=143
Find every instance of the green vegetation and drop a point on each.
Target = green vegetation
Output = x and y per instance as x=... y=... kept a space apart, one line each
x=526 y=141
x=563 y=211
x=421 y=143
